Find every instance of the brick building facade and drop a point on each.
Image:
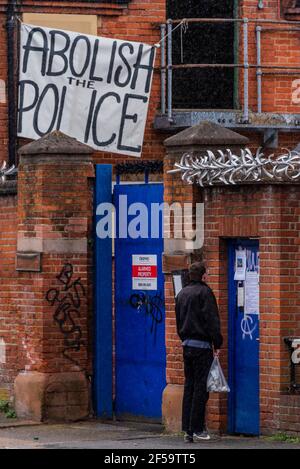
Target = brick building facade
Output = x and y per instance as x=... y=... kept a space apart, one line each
x=268 y=212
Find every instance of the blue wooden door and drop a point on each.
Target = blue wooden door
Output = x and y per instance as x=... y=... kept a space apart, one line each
x=139 y=305
x=244 y=337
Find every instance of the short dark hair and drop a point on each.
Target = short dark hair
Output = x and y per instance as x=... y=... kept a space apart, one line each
x=197 y=270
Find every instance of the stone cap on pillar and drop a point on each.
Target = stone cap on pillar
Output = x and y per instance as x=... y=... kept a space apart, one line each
x=204 y=136
x=56 y=143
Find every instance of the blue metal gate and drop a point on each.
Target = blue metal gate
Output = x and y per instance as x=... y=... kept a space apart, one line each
x=103 y=334
x=139 y=305
x=244 y=337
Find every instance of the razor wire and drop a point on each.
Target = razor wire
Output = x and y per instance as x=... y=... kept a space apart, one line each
x=6 y=171
x=226 y=168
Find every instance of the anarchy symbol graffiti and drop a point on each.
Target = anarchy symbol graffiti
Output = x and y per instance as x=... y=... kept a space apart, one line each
x=247 y=327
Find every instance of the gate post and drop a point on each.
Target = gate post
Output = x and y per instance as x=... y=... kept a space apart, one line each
x=178 y=254
x=55 y=206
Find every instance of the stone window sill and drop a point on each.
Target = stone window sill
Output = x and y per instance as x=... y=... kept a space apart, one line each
x=292 y=14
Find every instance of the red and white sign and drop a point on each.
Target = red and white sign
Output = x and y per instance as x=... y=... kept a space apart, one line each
x=144 y=272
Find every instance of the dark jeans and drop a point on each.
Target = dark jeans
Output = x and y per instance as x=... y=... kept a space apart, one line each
x=197 y=363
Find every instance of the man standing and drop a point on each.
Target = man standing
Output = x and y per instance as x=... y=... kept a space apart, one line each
x=198 y=326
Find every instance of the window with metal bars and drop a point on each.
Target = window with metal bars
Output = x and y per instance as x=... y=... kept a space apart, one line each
x=287 y=6
x=204 y=43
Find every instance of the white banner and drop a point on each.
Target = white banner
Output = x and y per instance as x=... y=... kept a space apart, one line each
x=91 y=88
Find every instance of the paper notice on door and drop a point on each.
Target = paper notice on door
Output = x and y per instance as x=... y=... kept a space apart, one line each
x=241 y=297
x=252 y=293
x=240 y=265
x=144 y=272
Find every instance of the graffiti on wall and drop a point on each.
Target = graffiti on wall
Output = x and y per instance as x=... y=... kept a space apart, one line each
x=151 y=305
x=67 y=299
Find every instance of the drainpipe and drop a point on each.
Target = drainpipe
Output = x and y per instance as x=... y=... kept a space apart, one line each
x=170 y=71
x=163 y=29
x=11 y=85
x=259 y=69
x=246 y=73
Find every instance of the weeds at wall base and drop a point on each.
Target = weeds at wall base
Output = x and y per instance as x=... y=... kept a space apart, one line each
x=7 y=410
x=283 y=437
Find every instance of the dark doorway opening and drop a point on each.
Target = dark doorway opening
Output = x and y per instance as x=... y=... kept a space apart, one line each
x=209 y=88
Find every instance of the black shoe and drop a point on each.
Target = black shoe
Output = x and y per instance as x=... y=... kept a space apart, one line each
x=188 y=438
x=202 y=436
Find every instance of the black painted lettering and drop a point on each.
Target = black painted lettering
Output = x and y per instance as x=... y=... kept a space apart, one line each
x=81 y=83
x=95 y=120
x=76 y=41
x=90 y=117
x=94 y=62
x=112 y=62
x=23 y=90
x=91 y=85
x=36 y=127
x=132 y=117
x=61 y=107
x=58 y=53
x=139 y=66
x=119 y=70
x=30 y=47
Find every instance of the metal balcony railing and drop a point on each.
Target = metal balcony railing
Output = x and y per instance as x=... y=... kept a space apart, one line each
x=261 y=26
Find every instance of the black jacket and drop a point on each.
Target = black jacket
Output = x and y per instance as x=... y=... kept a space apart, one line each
x=197 y=314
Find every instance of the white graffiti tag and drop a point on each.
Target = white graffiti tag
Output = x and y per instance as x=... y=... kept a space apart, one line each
x=247 y=327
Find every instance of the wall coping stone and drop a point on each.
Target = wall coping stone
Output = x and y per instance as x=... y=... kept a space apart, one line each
x=56 y=143
x=206 y=133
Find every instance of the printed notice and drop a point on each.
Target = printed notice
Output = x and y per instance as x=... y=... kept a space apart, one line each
x=252 y=293
x=240 y=265
x=144 y=272
x=177 y=280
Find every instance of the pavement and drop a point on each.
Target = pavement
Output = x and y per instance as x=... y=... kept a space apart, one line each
x=95 y=434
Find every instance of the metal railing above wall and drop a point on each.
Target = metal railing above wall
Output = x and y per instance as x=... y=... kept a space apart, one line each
x=167 y=65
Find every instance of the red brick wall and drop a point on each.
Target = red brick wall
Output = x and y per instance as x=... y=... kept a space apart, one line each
x=34 y=340
x=278 y=48
x=8 y=292
x=55 y=205
x=270 y=213
x=3 y=76
x=174 y=191
x=289 y=414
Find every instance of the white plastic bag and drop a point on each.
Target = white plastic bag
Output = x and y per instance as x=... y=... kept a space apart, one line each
x=216 y=381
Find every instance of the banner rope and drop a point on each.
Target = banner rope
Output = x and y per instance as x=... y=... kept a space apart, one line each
x=184 y=27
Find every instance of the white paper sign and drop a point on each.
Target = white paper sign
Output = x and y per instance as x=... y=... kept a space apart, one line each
x=177 y=280
x=252 y=293
x=144 y=272
x=91 y=88
x=241 y=297
x=240 y=264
